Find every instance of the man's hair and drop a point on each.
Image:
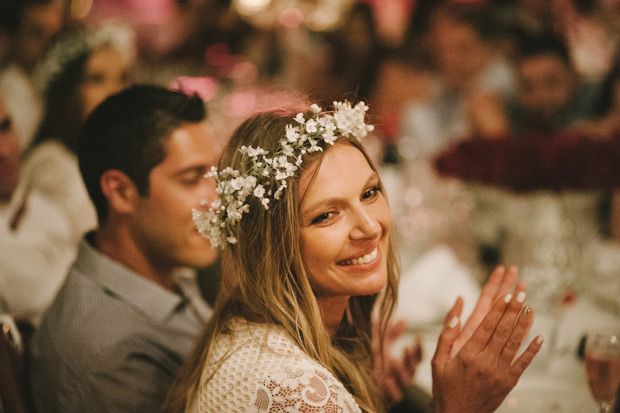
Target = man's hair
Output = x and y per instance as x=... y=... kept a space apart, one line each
x=544 y=44
x=128 y=132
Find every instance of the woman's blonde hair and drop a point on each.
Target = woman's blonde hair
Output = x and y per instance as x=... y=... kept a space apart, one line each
x=272 y=284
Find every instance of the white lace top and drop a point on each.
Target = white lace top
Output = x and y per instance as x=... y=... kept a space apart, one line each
x=263 y=370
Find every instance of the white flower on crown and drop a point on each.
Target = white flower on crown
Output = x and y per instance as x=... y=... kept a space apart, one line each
x=299 y=138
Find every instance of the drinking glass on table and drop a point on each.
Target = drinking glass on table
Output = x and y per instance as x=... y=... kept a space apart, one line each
x=603 y=366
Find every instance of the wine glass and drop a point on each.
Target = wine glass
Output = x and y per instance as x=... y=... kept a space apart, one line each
x=603 y=366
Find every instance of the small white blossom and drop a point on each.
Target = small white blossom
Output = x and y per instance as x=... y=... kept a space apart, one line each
x=311 y=126
x=292 y=134
x=259 y=191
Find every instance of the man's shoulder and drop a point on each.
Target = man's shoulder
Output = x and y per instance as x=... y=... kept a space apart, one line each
x=86 y=319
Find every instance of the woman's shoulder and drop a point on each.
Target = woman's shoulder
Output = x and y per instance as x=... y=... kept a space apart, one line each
x=47 y=157
x=249 y=342
x=51 y=149
x=260 y=367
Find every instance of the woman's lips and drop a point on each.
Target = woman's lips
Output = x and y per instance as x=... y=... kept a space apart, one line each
x=363 y=259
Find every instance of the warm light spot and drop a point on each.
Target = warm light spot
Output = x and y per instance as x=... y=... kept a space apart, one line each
x=291 y=17
x=79 y=9
x=252 y=6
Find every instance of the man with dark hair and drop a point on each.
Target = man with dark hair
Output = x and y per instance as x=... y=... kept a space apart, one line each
x=551 y=94
x=125 y=319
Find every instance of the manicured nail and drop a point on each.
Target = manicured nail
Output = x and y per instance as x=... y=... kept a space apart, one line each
x=539 y=340
x=521 y=297
x=508 y=298
x=527 y=311
x=453 y=322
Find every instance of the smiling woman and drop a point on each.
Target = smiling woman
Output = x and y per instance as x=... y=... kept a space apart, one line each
x=345 y=228
x=305 y=227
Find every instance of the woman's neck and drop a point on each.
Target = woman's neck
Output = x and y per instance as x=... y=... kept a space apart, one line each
x=332 y=310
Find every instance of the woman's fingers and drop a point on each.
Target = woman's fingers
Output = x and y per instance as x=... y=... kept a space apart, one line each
x=449 y=334
x=480 y=339
x=519 y=366
x=499 y=285
x=510 y=349
x=510 y=330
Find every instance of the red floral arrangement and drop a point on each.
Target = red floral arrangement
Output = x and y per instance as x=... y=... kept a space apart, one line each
x=564 y=161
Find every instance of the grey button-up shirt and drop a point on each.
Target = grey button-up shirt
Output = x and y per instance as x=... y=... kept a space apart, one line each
x=112 y=340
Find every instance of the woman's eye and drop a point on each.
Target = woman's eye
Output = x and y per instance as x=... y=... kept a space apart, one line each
x=322 y=218
x=371 y=193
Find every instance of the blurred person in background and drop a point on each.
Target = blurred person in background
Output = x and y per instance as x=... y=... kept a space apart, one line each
x=551 y=95
x=35 y=242
x=83 y=67
x=130 y=311
x=471 y=77
x=31 y=27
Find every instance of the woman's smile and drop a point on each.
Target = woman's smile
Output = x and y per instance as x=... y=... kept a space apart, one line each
x=362 y=259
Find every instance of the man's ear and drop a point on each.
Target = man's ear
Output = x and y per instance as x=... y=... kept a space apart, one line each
x=119 y=190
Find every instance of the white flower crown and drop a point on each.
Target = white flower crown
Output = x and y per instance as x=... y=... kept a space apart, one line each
x=301 y=137
x=72 y=45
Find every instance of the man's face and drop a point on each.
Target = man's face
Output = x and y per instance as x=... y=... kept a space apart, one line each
x=164 y=227
x=9 y=155
x=459 y=53
x=546 y=85
x=39 y=27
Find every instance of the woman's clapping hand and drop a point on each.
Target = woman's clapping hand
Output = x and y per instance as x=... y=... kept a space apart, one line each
x=475 y=368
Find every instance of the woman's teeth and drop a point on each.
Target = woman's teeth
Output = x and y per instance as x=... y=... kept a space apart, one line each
x=365 y=259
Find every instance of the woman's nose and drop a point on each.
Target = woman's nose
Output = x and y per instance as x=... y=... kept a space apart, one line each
x=366 y=226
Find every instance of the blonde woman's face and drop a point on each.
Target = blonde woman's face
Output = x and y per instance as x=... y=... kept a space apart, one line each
x=107 y=72
x=345 y=225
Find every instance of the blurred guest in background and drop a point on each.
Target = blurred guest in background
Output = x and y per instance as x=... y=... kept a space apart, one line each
x=125 y=318
x=32 y=26
x=551 y=96
x=471 y=77
x=83 y=67
x=35 y=241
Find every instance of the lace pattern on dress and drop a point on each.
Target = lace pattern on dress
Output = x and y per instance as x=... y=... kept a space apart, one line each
x=300 y=391
x=259 y=368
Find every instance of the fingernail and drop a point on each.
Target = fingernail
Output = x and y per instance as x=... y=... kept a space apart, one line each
x=508 y=298
x=521 y=297
x=453 y=322
x=540 y=340
x=527 y=311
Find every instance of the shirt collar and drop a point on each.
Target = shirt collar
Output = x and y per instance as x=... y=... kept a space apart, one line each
x=151 y=299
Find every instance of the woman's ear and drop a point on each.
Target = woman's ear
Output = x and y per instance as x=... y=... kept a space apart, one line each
x=119 y=190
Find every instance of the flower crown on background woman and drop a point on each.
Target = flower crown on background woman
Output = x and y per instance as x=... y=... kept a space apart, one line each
x=299 y=138
x=75 y=44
